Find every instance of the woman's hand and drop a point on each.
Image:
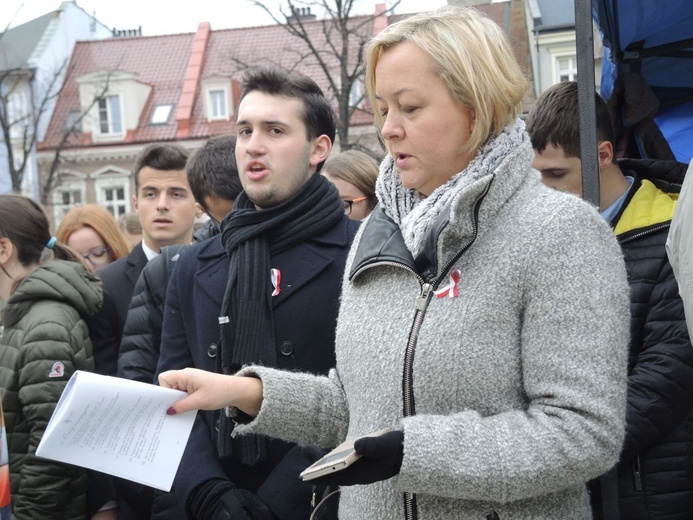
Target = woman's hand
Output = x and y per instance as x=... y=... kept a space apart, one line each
x=210 y=391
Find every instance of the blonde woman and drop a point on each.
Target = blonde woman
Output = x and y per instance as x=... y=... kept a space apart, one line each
x=483 y=318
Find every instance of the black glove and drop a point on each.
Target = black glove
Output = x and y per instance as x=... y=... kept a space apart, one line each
x=218 y=499
x=381 y=459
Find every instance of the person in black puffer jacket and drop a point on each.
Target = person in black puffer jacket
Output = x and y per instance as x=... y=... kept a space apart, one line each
x=638 y=199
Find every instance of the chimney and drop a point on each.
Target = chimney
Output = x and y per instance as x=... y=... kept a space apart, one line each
x=300 y=13
x=192 y=79
x=126 y=33
x=380 y=20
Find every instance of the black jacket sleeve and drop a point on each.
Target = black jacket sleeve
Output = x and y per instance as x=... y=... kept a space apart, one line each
x=139 y=347
x=104 y=334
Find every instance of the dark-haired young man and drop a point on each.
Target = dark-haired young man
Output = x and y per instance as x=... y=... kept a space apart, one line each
x=166 y=210
x=213 y=178
x=637 y=198
x=265 y=290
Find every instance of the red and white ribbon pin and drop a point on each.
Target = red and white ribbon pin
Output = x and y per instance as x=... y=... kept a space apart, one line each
x=276 y=281
x=450 y=290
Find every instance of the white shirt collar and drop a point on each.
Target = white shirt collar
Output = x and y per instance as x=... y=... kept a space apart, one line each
x=148 y=251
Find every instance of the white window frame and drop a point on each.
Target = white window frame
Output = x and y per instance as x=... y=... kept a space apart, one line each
x=161 y=114
x=110 y=119
x=72 y=184
x=223 y=114
x=556 y=57
x=117 y=206
x=112 y=178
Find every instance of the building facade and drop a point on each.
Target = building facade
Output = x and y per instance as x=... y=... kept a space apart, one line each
x=33 y=66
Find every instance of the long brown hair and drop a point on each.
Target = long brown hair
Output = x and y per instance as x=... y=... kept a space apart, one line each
x=98 y=219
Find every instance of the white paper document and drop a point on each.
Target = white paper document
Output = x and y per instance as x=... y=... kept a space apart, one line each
x=119 y=427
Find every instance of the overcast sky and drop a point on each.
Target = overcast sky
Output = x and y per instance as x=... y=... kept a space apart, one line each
x=167 y=17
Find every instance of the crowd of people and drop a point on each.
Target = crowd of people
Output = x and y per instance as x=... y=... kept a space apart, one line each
x=526 y=354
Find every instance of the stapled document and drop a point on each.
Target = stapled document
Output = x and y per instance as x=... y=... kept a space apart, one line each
x=118 y=427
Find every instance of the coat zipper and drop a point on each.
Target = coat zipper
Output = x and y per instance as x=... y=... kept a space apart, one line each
x=644 y=233
x=409 y=407
x=410 y=509
x=637 y=477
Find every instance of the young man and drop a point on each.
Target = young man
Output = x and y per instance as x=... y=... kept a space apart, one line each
x=637 y=198
x=265 y=290
x=166 y=209
x=213 y=178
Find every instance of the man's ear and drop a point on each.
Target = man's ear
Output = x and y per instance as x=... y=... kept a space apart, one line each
x=134 y=202
x=606 y=153
x=321 y=150
x=199 y=210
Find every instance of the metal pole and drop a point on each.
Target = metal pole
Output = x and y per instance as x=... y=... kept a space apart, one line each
x=586 y=91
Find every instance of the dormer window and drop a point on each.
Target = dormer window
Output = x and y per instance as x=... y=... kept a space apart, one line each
x=110 y=116
x=160 y=114
x=217 y=98
x=218 y=106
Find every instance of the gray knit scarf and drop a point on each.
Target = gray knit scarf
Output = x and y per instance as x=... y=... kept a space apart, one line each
x=416 y=214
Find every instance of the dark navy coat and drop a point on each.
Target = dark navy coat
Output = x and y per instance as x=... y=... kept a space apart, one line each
x=305 y=316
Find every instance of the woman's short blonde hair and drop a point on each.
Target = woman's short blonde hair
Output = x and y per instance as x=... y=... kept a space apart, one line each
x=473 y=57
x=101 y=221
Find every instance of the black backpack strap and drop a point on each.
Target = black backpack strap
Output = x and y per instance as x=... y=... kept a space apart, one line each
x=170 y=255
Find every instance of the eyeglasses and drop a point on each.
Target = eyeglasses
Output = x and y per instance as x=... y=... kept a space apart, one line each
x=349 y=204
x=97 y=256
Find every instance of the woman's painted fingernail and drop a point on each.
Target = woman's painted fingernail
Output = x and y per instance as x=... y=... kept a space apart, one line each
x=171 y=411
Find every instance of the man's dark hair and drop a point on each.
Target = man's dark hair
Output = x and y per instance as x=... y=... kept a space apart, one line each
x=212 y=171
x=160 y=156
x=318 y=115
x=555 y=119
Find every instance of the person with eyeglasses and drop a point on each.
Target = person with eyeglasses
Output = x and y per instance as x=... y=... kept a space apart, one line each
x=93 y=233
x=353 y=173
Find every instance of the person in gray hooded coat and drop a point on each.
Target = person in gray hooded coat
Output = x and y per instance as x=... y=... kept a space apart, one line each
x=484 y=317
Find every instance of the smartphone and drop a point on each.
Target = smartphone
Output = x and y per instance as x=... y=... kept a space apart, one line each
x=339 y=458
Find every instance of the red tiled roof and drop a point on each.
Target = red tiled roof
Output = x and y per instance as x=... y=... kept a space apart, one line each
x=159 y=61
x=162 y=62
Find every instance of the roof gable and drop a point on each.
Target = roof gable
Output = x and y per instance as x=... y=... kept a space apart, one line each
x=18 y=44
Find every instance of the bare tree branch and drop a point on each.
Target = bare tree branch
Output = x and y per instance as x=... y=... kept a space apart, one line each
x=20 y=121
x=338 y=47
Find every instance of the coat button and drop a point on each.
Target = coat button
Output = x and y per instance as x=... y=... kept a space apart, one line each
x=212 y=350
x=287 y=348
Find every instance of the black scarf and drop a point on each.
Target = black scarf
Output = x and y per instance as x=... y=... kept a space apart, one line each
x=250 y=238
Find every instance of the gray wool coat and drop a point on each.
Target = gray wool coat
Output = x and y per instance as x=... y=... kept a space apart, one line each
x=519 y=381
